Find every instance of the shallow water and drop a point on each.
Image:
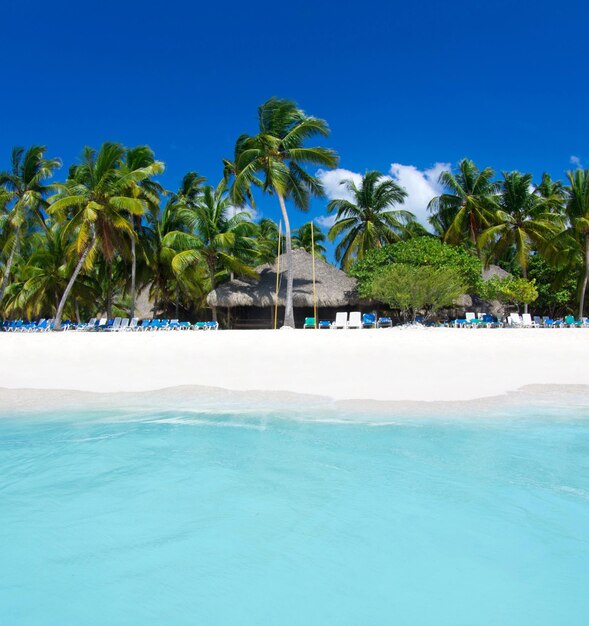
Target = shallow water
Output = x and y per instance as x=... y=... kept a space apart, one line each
x=175 y=517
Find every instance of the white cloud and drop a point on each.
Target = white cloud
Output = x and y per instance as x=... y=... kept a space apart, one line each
x=576 y=161
x=326 y=221
x=332 y=182
x=233 y=210
x=421 y=186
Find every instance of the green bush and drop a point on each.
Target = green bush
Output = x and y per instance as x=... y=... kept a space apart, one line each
x=420 y=252
x=412 y=289
x=509 y=290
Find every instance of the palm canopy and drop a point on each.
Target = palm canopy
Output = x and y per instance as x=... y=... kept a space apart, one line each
x=274 y=160
x=310 y=237
x=523 y=220
x=218 y=237
x=466 y=207
x=95 y=204
x=368 y=220
x=577 y=212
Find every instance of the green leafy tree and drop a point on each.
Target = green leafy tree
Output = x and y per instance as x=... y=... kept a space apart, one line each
x=413 y=289
x=95 y=205
x=274 y=160
x=577 y=211
x=369 y=220
x=419 y=252
x=467 y=206
x=141 y=159
x=218 y=235
x=557 y=290
x=509 y=290
x=524 y=221
x=309 y=241
x=24 y=196
x=266 y=240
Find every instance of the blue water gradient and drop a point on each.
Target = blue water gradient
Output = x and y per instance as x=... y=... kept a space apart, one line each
x=175 y=517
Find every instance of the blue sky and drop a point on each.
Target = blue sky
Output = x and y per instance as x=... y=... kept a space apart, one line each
x=408 y=83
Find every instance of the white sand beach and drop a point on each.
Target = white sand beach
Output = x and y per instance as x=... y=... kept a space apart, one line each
x=400 y=364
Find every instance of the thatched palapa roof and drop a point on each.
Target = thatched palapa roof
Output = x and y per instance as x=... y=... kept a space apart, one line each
x=334 y=288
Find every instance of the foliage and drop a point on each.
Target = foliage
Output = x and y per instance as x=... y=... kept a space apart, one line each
x=369 y=219
x=414 y=289
x=509 y=290
x=557 y=291
x=309 y=241
x=418 y=252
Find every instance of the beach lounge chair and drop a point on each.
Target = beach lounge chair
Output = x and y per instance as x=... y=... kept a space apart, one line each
x=341 y=320
x=369 y=320
x=515 y=320
x=133 y=324
x=200 y=326
x=548 y=322
x=527 y=321
x=571 y=322
x=174 y=325
x=212 y=325
x=355 y=320
x=124 y=324
x=184 y=326
x=101 y=324
x=115 y=324
x=324 y=324
x=309 y=322
x=384 y=322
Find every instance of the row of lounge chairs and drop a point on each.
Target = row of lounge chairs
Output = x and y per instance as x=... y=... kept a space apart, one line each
x=117 y=324
x=515 y=320
x=355 y=320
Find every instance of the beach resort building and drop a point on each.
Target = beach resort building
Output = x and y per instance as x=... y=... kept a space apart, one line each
x=251 y=303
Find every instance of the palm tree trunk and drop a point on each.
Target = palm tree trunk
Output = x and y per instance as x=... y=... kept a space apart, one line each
x=525 y=275
x=585 y=279
x=9 y=262
x=74 y=276
x=109 y=291
x=212 y=275
x=288 y=309
x=133 y=273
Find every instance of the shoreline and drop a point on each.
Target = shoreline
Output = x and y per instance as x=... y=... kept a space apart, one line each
x=388 y=365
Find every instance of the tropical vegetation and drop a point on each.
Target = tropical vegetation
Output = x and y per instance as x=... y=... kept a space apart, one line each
x=103 y=234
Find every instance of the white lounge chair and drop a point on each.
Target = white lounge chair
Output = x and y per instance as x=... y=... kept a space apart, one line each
x=528 y=322
x=124 y=324
x=133 y=324
x=341 y=320
x=515 y=319
x=355 y=320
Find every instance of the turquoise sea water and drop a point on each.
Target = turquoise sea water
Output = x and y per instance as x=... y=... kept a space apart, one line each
x=174 y=517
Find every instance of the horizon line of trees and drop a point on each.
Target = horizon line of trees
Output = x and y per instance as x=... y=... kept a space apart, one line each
x=110 y=230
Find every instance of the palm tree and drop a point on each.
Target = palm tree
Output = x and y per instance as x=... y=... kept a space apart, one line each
x=577 y=210
x=26 y=192
x=522 y=221
x=369 y=220
x=142 y=159
x=94 y=203
x=266 y=238
x=274 y=160
x=219 y=236
x=467 y=206
x=310 y=237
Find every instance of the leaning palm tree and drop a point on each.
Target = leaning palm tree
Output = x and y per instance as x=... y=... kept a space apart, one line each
x=24 y=184
x=141 y=158
x=310 y=237
x=467 y=206
x=94 y=205
x=274 y=160
x=523 y=221
x=219 y=236
x=369 y=220
x=577 y=211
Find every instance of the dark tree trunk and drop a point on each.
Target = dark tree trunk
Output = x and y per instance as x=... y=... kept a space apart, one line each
x=585 y=279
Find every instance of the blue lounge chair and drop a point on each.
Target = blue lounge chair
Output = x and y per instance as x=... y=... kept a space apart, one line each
x=384 y=322
x=309 y=322
x=200 y=326
x=369 y=320
x=324 y=324
x=212 y=325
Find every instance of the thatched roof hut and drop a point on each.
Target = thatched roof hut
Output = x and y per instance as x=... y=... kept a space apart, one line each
x=334 y=288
